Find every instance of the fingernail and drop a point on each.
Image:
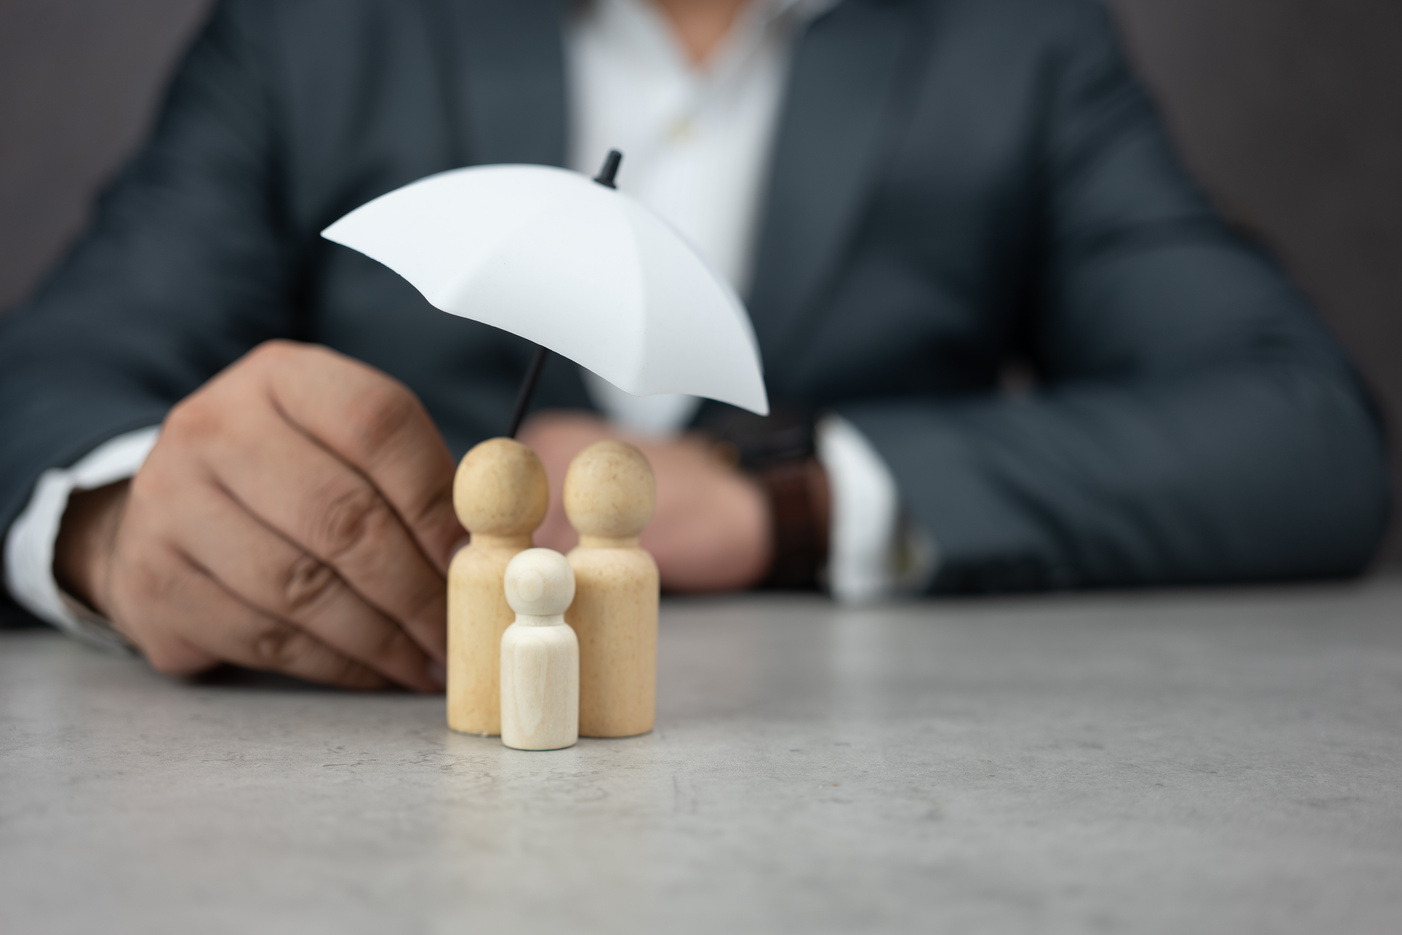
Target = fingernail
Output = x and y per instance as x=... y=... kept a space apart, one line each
x=438 y=674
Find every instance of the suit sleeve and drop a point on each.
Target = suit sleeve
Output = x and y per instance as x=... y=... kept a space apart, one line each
x=183 y=270
x=1194 y=422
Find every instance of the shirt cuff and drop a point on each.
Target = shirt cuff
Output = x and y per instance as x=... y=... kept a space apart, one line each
x=874 y=554
x=29 y=543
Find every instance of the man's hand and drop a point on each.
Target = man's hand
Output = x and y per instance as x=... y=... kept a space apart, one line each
x=295 y=515
x=711 y=530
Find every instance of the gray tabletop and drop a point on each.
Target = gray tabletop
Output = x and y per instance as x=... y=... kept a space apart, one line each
x=1224 y=761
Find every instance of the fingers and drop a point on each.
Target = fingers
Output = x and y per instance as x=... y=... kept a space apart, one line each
x=254 y=639
x=335 y=514
x=295 y=515
x=380 y=428
x=287 y=583
x=711 y=530
x=191 y=622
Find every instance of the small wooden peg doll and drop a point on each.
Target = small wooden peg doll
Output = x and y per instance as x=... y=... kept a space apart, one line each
x=539 y=655
x=500 y=494
x=609 y=498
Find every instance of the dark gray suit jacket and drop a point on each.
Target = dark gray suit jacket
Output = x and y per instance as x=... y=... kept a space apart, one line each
x=955 y=182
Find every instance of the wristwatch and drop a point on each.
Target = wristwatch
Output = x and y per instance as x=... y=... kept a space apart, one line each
x=778 y=451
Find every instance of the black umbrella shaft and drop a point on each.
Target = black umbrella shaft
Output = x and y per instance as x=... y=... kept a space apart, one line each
x=523 y=398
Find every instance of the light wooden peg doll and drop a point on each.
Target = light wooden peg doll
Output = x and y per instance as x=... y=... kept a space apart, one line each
x=539 y=655
x=500 y=494
x=609 y=498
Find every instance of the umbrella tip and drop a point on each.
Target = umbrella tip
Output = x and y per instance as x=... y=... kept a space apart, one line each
x=610 y=170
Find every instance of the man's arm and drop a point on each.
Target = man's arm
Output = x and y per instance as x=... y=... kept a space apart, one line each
x=295 y=512
x=1195 y=421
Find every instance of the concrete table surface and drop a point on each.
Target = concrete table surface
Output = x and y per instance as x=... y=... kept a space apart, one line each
x=1203 y=761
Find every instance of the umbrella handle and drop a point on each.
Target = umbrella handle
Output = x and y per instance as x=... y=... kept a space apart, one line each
x=523 y=398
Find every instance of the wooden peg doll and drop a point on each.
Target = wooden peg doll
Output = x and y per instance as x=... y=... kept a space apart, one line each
x=500 y=494
x=609 y=498
x=539 y=655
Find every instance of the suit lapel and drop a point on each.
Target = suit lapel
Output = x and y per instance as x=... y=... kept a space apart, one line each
x=510 y=79
x=842 y=93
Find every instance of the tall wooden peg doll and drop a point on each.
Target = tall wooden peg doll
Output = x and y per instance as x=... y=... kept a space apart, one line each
x=500 y=494
x=609 y=498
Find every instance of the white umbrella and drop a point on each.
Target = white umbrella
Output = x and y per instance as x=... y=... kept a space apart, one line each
x=573 y=265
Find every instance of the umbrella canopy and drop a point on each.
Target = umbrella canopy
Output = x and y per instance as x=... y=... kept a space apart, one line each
x=577 y=267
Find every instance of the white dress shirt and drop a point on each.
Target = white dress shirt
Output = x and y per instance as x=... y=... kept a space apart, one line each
x=696 y=143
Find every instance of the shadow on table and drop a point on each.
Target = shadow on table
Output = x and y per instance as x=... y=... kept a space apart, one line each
x=250 y=679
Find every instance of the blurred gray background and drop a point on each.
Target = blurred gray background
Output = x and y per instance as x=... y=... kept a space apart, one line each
x=1289 y=110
